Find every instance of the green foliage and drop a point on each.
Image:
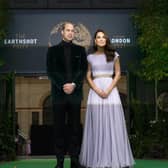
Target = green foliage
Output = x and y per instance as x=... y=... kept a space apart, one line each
x=151 y=22
x=7 y=108
x=149 y=137
x=7 y=145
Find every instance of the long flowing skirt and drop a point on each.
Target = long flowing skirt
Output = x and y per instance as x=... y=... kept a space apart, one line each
x=105 y=141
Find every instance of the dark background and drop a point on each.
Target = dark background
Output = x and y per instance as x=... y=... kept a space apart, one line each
x=38 y=24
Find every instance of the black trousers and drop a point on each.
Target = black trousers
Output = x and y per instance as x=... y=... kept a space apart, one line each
x=67 y=128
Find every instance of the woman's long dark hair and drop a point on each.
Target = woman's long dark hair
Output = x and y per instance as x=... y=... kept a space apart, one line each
x=108 y=49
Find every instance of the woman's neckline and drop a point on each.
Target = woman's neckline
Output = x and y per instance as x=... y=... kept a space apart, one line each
x=98 y=54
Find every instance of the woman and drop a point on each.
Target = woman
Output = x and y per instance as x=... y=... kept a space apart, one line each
x=105 y=141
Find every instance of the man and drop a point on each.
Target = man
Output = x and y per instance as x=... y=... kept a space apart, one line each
x=66 y=68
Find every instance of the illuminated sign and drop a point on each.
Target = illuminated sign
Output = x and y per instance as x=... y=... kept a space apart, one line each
x=121 y=41
x=20 y=41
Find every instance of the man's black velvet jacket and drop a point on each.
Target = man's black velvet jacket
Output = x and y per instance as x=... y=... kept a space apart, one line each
x=56 y=69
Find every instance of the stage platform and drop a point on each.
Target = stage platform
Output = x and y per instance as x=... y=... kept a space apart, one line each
x=50 y=162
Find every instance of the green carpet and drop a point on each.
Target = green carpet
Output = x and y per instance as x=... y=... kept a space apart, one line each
x=50 y=163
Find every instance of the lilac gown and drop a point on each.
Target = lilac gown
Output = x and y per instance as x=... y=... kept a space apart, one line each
x=105 y=141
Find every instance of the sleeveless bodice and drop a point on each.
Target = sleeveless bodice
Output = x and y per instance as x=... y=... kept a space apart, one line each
x=100 y=66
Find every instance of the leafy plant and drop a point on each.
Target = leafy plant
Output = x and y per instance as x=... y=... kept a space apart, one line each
x=7 y=108
x=151 y=22
x=149 y=138
x=7 y=144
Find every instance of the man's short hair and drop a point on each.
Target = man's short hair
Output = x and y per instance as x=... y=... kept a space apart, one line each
x=65 y=23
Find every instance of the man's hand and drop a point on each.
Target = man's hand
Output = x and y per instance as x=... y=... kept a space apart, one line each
x=68 y=88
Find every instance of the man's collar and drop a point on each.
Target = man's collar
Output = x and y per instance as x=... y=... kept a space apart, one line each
x=66 y=43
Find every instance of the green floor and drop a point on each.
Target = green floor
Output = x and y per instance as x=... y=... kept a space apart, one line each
x=50 y=163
